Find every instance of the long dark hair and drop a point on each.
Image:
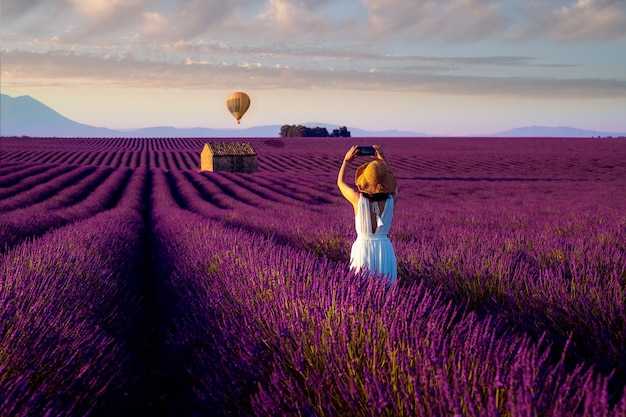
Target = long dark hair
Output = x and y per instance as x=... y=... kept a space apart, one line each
x=376 y=197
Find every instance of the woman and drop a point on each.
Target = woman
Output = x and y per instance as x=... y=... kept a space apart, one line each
x=373 y=203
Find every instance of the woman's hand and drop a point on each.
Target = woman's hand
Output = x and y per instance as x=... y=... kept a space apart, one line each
x=379 y=153
x=351 y=154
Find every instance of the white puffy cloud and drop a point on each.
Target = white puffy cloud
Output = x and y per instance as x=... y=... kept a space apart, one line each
x=96 y=10
x=97 y=18
x=288 y=18
x=154 y=24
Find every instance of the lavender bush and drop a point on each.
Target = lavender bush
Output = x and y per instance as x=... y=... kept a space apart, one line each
x=316 y=340
x=70 y=311
x=46 y=190
x=236 y=299
x=579 y=261
x=19 y=177
x=95 y=194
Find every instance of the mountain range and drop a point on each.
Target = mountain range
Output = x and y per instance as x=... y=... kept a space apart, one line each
x=26 y=116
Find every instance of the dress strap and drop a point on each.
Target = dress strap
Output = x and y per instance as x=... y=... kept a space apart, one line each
x=379 y=221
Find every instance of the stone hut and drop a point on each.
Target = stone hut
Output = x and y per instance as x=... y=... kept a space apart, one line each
x=228 y=156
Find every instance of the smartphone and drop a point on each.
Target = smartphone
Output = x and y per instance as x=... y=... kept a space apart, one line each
x=366 y=150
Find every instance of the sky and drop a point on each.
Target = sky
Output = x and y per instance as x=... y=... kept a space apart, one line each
x=441 y=67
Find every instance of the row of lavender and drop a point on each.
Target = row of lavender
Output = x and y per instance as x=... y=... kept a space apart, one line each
x=251 y=326
x=73 y=301
x=39 y=198
x=115 y=159
x=428 y=158
x=570 y=267
x=258 y=203
x=286 y=332
x=556 y=267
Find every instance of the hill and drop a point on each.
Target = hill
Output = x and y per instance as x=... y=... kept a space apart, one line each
x=26 y=116
x=561 y=131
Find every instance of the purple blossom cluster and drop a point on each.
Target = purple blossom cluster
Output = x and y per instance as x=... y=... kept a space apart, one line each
x=61 y=199
x=132 y=284
x=71 y=307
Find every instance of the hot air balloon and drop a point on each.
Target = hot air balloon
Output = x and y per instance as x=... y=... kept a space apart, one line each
x=237 y=103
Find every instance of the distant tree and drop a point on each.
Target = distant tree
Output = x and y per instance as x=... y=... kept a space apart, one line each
x=317 y=132
x=300 y=131
x=303 y=131
x=290 y=131
x=342 y=132
x=284 y=131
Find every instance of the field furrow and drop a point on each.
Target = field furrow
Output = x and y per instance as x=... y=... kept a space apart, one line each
x=189 y=160
x=244 y=189
x=227 y=188
x=317 y=188
x=71 y=313
x=43 y=191
x=12 y=166
x=205 y=197
x=197 y=197
x=74 y=193
x=232 y=294
x=12 y=172
x=21 y=180
x=89 y=199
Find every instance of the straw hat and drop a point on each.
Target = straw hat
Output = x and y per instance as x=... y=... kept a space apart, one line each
x=375 y=178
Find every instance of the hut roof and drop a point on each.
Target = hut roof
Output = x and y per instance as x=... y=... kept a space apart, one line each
x=231 y=148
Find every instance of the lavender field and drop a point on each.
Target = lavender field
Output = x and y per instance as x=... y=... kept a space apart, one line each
x=133 y=284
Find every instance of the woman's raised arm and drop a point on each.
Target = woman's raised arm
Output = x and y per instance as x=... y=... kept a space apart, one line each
x=347 y=190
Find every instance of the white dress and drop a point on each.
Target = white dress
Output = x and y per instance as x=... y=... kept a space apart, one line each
x=373 y=251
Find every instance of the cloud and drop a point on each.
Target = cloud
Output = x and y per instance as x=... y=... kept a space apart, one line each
x=313 y=43
x=105 y=10
x=17 y=9
x=462 y=21
x=129 y=71
x=153 y=24
x=582 y=20
x=34 y=17
x=452 y=20
x=105 y=18
x=384 y=21
x=197 y=17
x=287 y=18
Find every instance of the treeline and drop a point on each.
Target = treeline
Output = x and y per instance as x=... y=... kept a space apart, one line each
x=289 y=131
